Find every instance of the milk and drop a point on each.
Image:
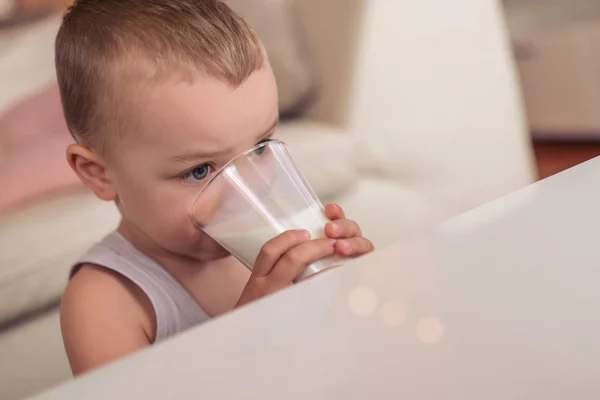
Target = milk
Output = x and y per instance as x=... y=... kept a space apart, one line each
x=245 y=244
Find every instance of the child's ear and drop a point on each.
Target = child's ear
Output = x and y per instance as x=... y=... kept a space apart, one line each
x=89 y=166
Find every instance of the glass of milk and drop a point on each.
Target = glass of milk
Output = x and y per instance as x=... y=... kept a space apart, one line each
x=255 y=197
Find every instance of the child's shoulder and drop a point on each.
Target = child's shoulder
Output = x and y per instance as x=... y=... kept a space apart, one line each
x=104 y=316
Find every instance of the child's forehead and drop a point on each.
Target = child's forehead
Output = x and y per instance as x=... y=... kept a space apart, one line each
x=208 y=100
x=204 y=112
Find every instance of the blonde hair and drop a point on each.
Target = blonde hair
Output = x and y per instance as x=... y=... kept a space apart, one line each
x=103 y=45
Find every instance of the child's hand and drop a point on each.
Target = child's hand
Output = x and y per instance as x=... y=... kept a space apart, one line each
x=350 y=242
x=281 y=260
x=284 y=257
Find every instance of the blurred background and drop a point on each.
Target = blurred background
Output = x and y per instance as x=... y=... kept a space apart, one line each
x=433 y=108
x=556 y=50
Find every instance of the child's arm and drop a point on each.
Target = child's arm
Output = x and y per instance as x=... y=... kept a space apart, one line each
x=104 y=317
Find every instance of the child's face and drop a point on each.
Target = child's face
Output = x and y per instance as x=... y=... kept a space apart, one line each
x=184 y=132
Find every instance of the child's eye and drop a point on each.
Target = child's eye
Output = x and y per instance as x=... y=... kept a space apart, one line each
x=261 y=149
x=198 y=173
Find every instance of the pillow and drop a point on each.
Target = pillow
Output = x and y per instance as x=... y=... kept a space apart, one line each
x=335 y=150
x=275 y=23
x=39 y=244
x=30 y=145
x=26 y=60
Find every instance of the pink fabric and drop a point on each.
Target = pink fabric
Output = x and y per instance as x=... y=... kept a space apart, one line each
x=33 y=139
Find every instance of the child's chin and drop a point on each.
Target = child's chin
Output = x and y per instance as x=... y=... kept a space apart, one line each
x=221 y=252
x=211 y=250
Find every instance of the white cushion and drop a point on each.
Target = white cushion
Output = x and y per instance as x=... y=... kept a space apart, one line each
x=33 y=357
x=39 y=245
x=27 y=62
x=275 y=23
x=387 y=210
x=323 y=153
x=435 y=100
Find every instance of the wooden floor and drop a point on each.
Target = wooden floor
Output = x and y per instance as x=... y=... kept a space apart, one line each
x=554 y=157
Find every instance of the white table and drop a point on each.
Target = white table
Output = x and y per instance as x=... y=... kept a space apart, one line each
x=500 y=303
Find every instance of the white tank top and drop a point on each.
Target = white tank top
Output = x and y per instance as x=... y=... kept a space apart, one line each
x=176 y=310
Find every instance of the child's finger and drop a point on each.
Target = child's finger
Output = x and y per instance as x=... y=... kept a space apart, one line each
x=297 y=259
x=333 y=212
x=275 y=248
x=354 y=247
x=342 y=229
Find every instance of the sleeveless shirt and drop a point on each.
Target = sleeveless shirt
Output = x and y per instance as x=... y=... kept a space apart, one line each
x=176 y=310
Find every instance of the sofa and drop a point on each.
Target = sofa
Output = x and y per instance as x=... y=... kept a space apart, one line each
x=418 y=100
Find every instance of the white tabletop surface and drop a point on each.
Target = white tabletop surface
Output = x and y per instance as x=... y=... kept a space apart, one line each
x=500 y=303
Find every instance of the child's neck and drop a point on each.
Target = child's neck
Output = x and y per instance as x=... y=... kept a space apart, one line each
x=216 y=284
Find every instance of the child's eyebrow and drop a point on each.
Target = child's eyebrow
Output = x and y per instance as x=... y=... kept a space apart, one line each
x=195 y=156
